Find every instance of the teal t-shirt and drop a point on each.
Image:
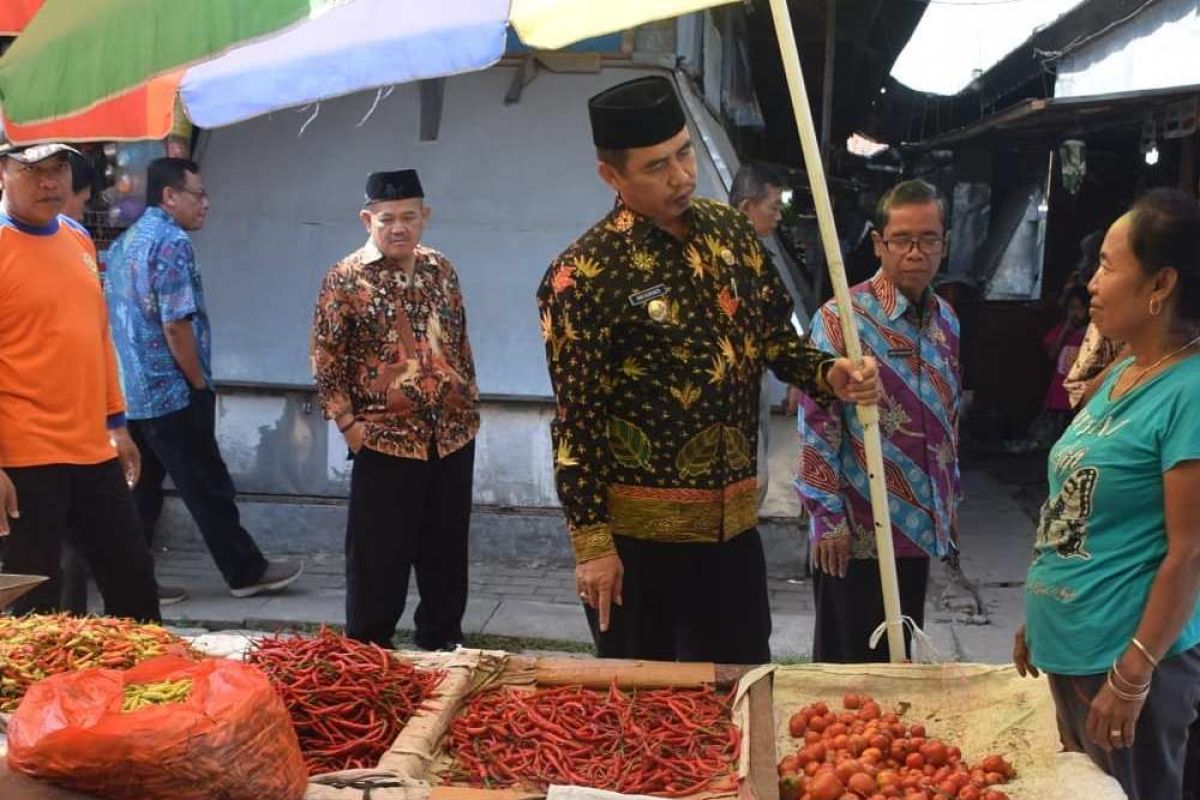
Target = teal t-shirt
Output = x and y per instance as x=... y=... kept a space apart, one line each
x=1102 y=534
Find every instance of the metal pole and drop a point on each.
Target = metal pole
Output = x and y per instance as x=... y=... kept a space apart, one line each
x=867 y=415
x=827 y=79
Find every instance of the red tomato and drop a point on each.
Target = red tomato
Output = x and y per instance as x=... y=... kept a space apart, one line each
x=917 y=731
x=847 y=768
x=798 y=724
x=790 y=788
x=862 y=784
x=935 y=753
x=852 y=701
x=826 y=786
x=914 y=761
x=869 y=711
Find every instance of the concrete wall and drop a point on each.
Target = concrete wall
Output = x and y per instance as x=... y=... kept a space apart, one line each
x=510 y=188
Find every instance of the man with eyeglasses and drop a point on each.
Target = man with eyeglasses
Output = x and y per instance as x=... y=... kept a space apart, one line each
x=914 y=336
x=161 y=331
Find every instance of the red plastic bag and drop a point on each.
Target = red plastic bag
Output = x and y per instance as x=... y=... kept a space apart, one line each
x=231 y=737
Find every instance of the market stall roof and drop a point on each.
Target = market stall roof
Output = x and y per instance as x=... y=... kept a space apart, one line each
x=1041 y=119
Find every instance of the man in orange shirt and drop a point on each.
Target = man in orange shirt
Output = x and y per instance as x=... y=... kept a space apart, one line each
x=66 y=458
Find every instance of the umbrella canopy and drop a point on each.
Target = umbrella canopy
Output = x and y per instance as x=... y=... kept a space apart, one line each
x=15 y=15
x=111 y=71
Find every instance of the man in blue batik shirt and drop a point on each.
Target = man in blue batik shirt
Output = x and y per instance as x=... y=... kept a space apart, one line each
x=161 y=332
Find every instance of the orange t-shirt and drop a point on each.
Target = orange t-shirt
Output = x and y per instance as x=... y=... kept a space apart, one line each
x=58 y=370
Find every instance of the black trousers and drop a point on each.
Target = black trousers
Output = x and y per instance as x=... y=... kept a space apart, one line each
x=1153 y=768
x=91 y=507
x=850 y=608
x=408 y=514
x=690 y=602
x=183 y=445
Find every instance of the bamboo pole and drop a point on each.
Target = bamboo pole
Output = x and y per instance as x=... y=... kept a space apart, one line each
x=867 y=415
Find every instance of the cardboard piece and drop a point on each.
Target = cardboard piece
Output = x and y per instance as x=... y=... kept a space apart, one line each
x=13 y=586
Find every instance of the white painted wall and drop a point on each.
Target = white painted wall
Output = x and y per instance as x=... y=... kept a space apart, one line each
x=510 y=188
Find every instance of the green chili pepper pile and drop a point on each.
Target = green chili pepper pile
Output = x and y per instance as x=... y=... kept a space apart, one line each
x=140 y=695
x=37 y=646
x=665 y=742
x=348 y=700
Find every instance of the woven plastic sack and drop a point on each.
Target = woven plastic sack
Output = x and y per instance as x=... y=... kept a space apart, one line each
x=230 y=738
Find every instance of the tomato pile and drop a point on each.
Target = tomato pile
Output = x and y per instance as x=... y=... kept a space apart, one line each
x=862 y=753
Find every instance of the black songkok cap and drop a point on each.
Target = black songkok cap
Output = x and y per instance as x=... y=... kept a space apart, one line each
x=638 y=113
x=399 y=185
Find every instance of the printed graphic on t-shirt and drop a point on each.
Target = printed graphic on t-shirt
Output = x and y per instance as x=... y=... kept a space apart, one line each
x=1064 y=519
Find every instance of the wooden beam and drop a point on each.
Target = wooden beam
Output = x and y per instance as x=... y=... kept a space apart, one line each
x=432 y=91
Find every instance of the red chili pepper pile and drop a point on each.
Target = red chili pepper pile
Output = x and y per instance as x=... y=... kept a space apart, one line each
x=348 y=700
x=39 y=645
x=666 y=742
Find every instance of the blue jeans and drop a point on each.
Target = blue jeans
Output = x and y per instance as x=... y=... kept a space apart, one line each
x=183 y=444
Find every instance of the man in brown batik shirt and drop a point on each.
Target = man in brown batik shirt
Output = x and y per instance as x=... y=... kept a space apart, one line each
x=394 y=372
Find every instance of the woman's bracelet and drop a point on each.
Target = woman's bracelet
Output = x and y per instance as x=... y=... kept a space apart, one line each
x=1144 y=651
x=348 y=425
x=1133 y=687
x=1126 y=696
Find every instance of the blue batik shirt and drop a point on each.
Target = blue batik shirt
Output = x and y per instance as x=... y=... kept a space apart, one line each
x=151 y=279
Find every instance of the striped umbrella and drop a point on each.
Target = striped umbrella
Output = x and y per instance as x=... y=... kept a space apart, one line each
x=110 y=69
x=15 y=15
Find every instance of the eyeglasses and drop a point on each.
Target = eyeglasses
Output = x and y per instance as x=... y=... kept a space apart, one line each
x=903 y=245
x=199 y=194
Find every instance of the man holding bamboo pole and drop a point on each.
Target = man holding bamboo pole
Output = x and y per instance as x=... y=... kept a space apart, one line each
x=914 y=335
x=658 y=323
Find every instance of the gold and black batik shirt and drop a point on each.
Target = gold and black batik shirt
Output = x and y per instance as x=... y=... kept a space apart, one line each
x=656 y=347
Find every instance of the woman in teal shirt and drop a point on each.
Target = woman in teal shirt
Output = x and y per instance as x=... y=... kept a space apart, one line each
x=1111 y=596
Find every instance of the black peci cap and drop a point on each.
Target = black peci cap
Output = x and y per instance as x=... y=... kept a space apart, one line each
x=637 y=113
x=399 y=185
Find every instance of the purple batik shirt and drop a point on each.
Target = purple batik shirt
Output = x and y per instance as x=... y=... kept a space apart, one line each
x=917 y=351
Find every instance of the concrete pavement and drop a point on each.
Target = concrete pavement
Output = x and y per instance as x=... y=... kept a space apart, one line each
x=539 y=601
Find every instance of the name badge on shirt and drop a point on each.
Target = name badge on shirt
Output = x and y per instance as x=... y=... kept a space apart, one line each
x=646 y=295
x=901 y=352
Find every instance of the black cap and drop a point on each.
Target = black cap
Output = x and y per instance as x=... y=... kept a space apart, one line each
x=637 y=113
x=33 y=153
x=399 y=185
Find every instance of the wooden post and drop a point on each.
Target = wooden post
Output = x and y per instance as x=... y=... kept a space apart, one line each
x=867 y=415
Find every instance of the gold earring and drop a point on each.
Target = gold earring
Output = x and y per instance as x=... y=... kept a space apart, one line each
x=1155 y=306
